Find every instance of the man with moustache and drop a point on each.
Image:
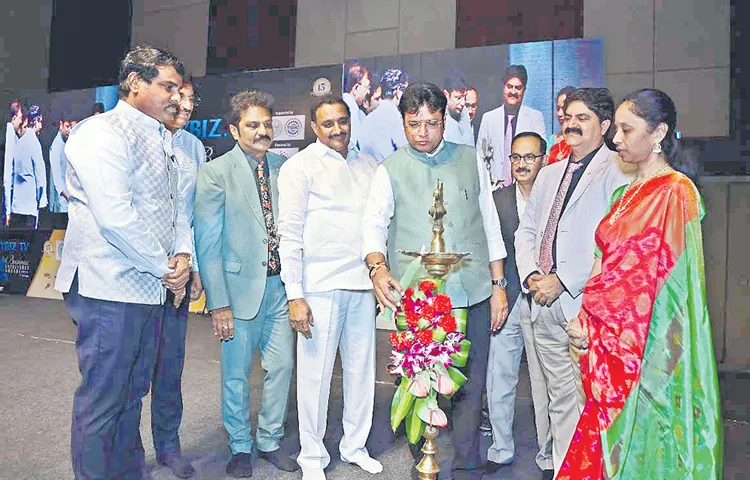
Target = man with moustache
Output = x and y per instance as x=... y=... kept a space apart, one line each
x=471 y=105
x=500 y=125
x=236 y=209
x=383 y=130
x=127 y=243
x=29 y=175
x=555 y=248
x=457 y=122
x=322 y=195
x=356 y=88
x=58 y=163
x=12 y=134
x=557 y=149
x=395 y=218
x=516 y=334
x=166 y=392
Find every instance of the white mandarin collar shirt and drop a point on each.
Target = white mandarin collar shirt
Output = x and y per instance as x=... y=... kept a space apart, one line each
x=322 y=198
x=381 y=207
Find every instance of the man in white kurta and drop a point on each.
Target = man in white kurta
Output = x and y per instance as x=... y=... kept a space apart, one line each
x=322 y=195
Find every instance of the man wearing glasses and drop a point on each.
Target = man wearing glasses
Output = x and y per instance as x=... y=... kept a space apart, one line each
x=166 y=390
x=395 y=218
x=500 y=125
x=236 y=212
x=507 y=344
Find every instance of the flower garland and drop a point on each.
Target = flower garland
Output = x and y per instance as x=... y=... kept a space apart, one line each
x=428 y=348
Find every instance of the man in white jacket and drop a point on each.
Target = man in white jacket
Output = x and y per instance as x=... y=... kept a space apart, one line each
x=12 y=129
x=500 y=126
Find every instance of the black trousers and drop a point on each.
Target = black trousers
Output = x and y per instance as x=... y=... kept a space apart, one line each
x=458 y=445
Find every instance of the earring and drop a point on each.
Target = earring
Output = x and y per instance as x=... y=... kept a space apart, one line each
x=657 y=148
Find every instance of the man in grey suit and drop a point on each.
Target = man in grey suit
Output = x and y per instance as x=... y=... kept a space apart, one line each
x=500 y=125
x=509 y=340
x=237 y=243
x=555 y=248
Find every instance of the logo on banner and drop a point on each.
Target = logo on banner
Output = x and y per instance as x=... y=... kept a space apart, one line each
x=321 y=86
x=290 y=127
x=284 y=152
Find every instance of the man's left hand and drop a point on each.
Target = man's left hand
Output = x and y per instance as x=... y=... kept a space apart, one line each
x=177 y=280
x=498 y=308
x=546 y=288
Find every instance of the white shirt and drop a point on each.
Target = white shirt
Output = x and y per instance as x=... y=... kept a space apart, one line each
x=58 y=163
x=520 y=202
x=30 y=176
x=322 y=199
x=357 y=116
x=382 y=131
x=459 y=131
x=190 y=154
x=10 y=143
x=381 y=207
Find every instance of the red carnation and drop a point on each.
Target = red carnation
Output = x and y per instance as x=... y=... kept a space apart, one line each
x=442 y=304
x=427 y=286
x=394 y=339
x=412 y=319
x=428 y=312
x=409 y=292
x=424 y=336
x=448 y=323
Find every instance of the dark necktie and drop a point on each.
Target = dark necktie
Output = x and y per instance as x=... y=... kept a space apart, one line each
x=274 y=263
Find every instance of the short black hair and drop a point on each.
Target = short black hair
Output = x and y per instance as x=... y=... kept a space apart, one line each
x=599 y=101
x=97 y=108
x=374 y=85
x=422 y=93
x=353 y=75
x=327 y=100
x=246 y=99
x=542 y=142
x=393 y=80
x=516 y=71
x=144 y=60
x=456 y=81
x=13 y=109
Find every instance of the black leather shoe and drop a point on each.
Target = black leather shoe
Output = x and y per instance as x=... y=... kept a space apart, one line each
x=493 y=467
x=179 y=465
x=548 y=474
x=280 y=460
x=240 y=466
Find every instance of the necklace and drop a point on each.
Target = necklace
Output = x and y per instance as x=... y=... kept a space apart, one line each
x=624 y=204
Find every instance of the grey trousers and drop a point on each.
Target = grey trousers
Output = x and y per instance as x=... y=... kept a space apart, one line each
x=506 y=347
x=562 y=376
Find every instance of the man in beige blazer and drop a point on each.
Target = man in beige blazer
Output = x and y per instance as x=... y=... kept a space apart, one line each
x=555 y=248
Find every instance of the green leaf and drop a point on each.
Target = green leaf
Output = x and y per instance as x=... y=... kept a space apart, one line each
x=457 y=376
x=460 y=358
x=415 y=425
x=438 y=334
x=401 y=322
x=461 y=315
x=402 y=402
x=406 y=279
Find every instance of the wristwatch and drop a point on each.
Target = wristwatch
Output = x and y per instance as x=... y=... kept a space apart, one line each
x=187 y=257
x=500 y=282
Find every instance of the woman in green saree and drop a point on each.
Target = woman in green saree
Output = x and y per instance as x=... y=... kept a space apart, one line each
x=647 y=363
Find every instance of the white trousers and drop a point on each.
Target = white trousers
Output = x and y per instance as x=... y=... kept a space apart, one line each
x=343 y=320
x=506 y=347
x=563 y=381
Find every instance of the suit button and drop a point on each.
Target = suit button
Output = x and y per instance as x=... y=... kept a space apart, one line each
x=263 y=263
x=450 y=224
x=265 y=241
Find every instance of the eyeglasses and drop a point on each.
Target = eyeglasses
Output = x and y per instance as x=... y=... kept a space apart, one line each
x=194 y=99
x=527 y=159
x=430 y=124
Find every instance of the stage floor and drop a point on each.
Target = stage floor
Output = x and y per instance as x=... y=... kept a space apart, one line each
x=38 y=375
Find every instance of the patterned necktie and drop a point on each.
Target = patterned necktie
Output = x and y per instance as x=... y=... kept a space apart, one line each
x=274 y=263
x=545 y=254
x=507 y=176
